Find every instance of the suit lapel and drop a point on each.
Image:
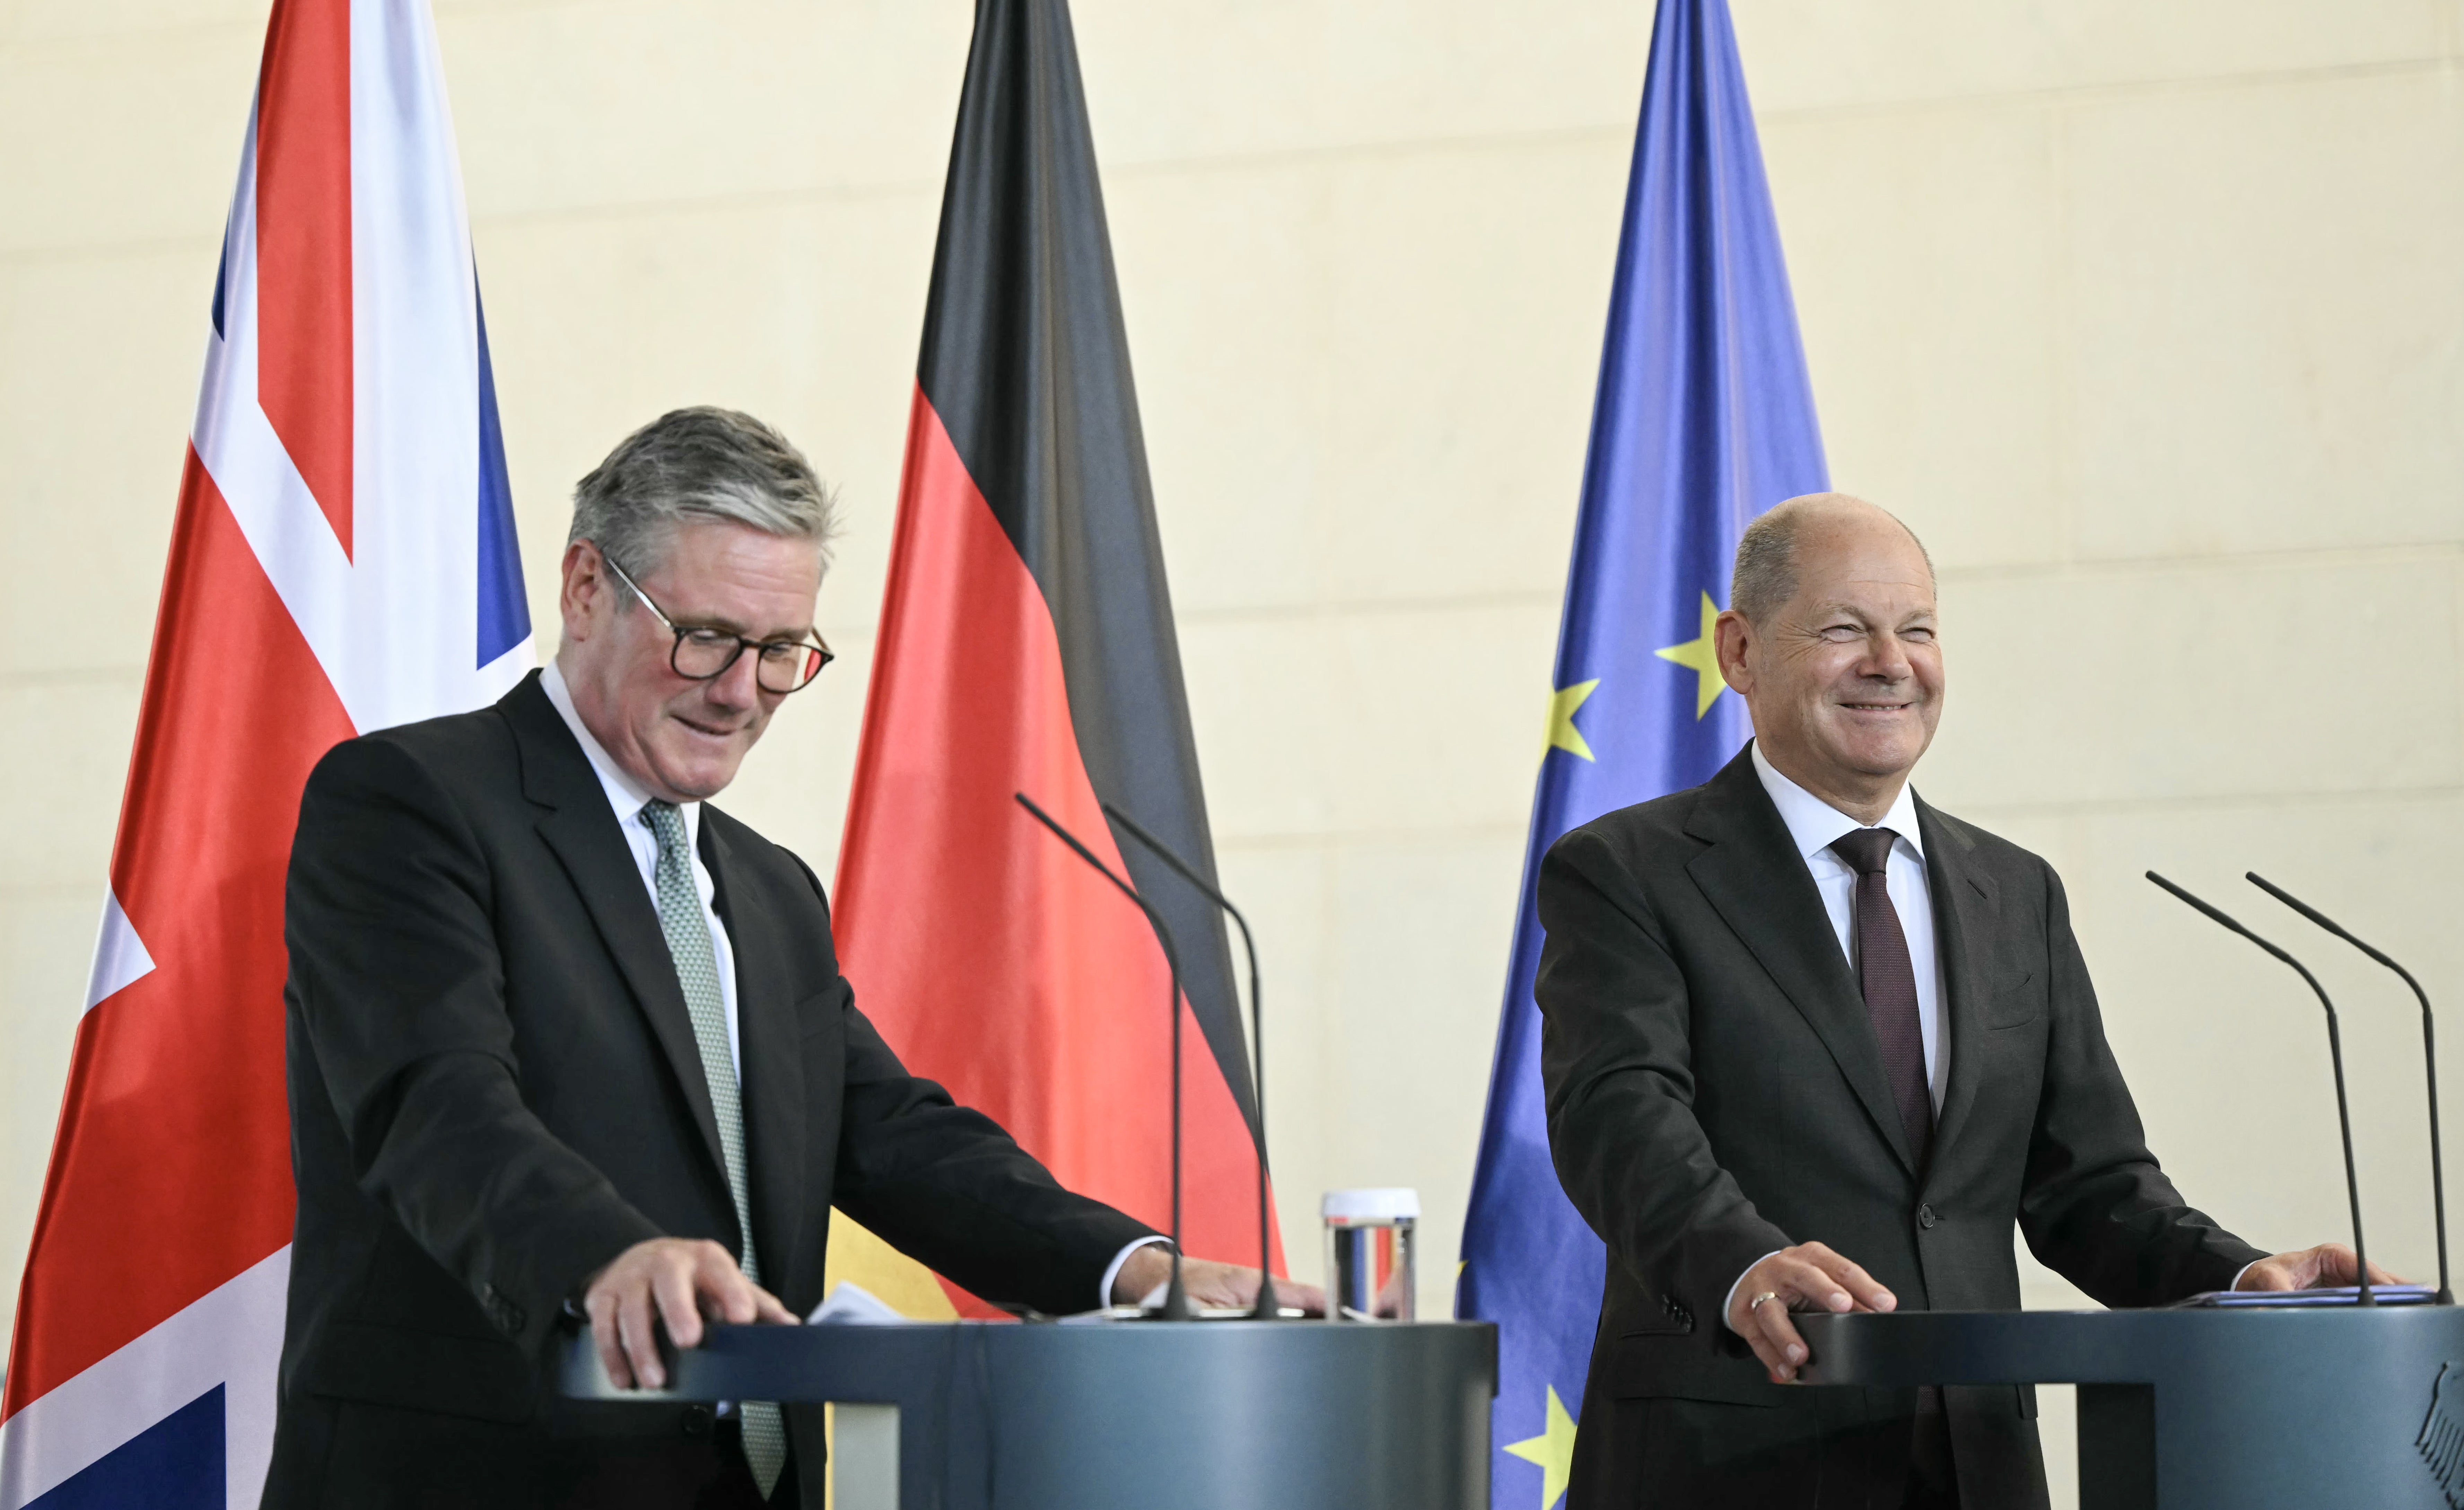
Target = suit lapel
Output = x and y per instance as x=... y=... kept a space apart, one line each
x=1965 y=907
x=1755 y=879
x=582 y=831
x=769 y=1055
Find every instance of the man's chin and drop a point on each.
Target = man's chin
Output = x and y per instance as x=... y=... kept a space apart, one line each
x=1884 y=765
x=1879 y=759
x=698 y=780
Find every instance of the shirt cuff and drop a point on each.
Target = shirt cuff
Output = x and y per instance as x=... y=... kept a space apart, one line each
x=1112 y=1270
x=2254 y=1263
x=1729 y=1300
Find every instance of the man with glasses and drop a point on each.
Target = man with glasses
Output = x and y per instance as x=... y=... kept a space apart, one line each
x=570 y=1048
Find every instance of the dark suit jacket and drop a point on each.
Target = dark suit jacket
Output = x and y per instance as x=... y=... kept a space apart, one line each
x=494 y=1090
x=1715 y=1093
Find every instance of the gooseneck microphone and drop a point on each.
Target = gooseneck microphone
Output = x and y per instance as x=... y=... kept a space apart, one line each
x=2429 y=1053
x=1175 y=1296
x=1268 y=1308
x=2336 y=1053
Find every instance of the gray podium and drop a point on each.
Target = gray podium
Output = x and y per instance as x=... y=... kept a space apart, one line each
x=1291 y=1415
x=2202 y=1410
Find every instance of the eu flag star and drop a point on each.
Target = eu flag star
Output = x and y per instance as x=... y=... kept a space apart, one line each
x=1701 y=657
x=1562 y=733
x=1554 y=1450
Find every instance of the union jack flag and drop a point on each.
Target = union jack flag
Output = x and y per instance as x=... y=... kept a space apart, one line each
x=342 y=559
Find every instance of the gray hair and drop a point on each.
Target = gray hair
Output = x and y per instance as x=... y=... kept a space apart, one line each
x=699 y=464
x=1765 y=575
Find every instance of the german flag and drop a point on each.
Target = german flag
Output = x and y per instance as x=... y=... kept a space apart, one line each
x=1026 y=645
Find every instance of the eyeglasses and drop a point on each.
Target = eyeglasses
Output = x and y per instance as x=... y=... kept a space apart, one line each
x=703 y=653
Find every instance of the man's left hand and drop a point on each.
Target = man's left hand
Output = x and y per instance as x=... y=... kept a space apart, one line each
x=1215 y=1286
x=2329 y=1263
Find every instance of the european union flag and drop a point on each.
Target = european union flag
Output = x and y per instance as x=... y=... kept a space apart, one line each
x=1703 y=420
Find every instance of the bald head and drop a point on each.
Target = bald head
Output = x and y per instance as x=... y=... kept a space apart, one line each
x=1766 y=571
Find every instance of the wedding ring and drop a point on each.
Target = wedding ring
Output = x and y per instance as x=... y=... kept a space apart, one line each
x=1755 y=1303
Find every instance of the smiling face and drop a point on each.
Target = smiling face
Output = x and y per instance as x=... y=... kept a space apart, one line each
x=682 y=739
x=1844 y=679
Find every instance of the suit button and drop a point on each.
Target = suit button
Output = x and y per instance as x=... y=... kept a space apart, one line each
x=1925 y=1217
x=695 y=1421
x=503 y=1310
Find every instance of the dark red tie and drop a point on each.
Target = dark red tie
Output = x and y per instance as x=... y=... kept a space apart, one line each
x=1889 y=981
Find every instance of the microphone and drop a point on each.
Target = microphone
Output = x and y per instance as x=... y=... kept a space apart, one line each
x=1268 y=1308
x=2428 y=1050
x=2336 y=1053
x=1175 y=1296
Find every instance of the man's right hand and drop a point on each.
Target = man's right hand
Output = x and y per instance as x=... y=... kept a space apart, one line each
x=676 y=1281
x=1808 y=1275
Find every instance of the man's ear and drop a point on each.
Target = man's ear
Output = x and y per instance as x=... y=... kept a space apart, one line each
x=582 y=581
x=1733 y=637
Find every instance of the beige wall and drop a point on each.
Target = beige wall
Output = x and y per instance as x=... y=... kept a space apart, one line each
x=2149 y=316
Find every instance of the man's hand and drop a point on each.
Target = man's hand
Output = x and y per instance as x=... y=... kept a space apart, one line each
x=1808 y=1275
x=676 y=1281
x=2309 y=1269
x=1216 y=1285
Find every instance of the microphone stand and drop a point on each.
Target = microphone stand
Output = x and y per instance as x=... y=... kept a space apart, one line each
x=2429 y=1052
x=1268 y=1308
x=2335 y=1051
x=1175 y=1296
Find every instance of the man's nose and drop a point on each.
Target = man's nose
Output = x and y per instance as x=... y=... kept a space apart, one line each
x=737 y=686
x=1886 y=659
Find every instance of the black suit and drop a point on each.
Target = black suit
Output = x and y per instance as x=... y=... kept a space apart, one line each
x=494 y=1090
x=1716 y=1092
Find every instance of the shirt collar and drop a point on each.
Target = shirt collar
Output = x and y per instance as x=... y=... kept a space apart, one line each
x=1814 y=824
x=625 y=794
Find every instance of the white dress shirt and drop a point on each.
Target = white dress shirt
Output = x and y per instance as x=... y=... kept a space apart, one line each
x=1814 y=825
x=625 y=795
x=627 y=798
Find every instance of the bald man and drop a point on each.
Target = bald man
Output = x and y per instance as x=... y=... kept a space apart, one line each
x=1810 y=1042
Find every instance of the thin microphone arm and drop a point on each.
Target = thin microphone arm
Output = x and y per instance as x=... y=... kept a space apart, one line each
x=1268 y=1308
x=1175 y=1296
x=2335 y=1052
x=2428 y=1053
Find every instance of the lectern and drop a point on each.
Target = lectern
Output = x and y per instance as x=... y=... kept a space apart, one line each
x=2204 y=1410
x=1295 y=1416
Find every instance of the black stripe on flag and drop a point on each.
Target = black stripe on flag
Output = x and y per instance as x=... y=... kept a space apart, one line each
x=1026 y=363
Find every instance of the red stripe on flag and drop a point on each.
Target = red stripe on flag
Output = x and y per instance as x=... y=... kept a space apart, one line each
x=303 y=246
x=171 y=1169
x=989 y=957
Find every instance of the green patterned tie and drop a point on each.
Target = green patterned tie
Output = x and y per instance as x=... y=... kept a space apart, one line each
x=688 y=931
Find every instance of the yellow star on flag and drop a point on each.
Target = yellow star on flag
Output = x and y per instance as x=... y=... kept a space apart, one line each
x=1701 y=657
x=1554 y=1450
x=1562 y=733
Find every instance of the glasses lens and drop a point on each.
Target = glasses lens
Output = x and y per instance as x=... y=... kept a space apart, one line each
x=704 y=652
x=789 y=667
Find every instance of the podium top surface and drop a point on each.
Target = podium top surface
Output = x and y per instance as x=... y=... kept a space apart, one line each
x=900 y=1362
x=2150 y=1346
